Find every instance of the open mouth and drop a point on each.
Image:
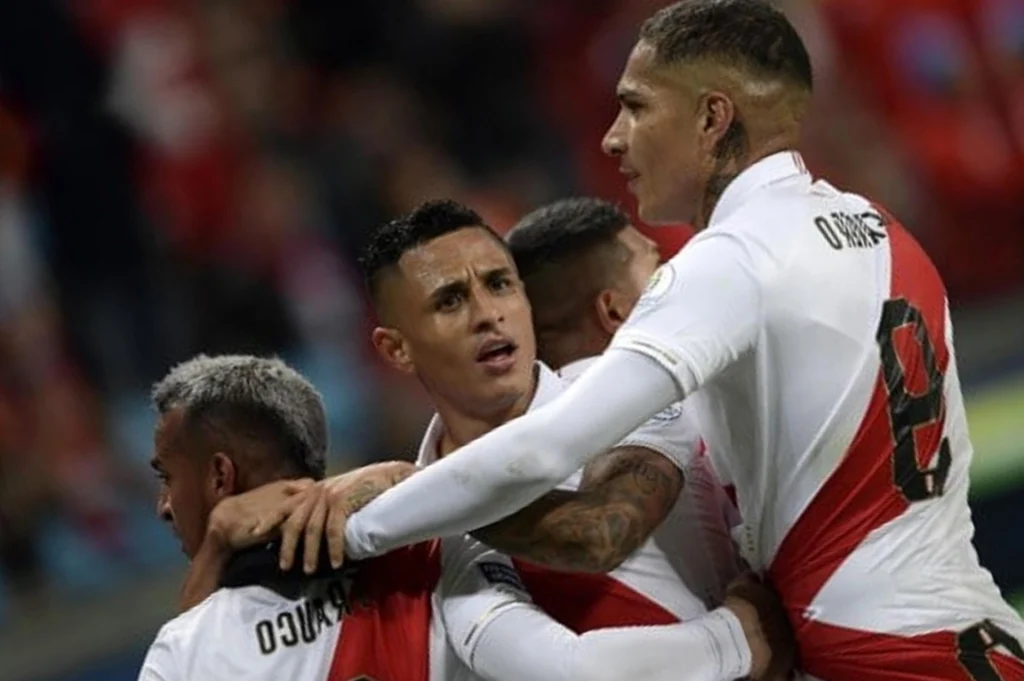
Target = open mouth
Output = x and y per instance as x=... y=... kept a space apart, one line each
x=497 y=355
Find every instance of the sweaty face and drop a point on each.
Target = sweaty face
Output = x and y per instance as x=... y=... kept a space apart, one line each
x=184 y=499
x=465 y=320
x=654 y=137
x=644 y=259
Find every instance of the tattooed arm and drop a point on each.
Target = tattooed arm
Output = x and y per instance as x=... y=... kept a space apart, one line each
x=625 y=494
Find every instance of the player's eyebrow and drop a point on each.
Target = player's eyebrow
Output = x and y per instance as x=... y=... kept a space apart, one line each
x=453 y=287
x=497 y=273
x=461 y=286
x=154 y=463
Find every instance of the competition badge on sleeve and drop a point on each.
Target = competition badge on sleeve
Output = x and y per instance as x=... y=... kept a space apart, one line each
x=657 y=286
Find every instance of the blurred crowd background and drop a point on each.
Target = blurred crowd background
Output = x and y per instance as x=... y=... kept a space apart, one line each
x=180 y=176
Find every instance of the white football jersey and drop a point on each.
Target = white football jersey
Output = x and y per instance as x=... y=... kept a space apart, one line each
x=683 y=568
x=813 y=334
x=417 y=613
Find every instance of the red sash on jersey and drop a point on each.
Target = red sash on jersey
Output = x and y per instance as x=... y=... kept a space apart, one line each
x=386 y=637
x=861 y=496
x=584 y=602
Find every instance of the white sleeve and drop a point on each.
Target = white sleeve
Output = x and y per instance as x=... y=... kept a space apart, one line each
x=512 y=466
x=501 y=635
x=159 y=664
x=476 y=584
x=701 y=311
x=672 y=433
x=525 y=643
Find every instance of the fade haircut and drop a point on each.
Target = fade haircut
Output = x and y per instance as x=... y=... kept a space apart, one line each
x=256 y=398
x=566 y=253
x=389 y=242
x=749 y=33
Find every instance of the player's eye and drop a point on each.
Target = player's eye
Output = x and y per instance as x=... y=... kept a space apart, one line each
x=500 y=283
x=449 y=302
x=631 y=105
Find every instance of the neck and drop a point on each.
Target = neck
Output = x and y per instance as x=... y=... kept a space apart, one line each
x=729 y=165
x=462 y=427
x=565 y=349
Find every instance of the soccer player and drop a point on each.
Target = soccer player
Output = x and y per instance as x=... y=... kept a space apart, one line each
x=239 y=433
x=814 y=336
x=584 y=266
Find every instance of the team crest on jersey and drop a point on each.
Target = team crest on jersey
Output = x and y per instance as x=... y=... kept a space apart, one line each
x=657 y=286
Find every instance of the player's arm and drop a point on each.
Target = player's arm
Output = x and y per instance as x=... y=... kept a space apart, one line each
x=497 y=632
x=235 y=523
x=707 y=316
x=624 y=496
x=297 y=510
x=525 y=643
x=204 y=572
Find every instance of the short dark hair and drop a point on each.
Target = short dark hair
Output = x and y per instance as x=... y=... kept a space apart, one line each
x=752 y=33
x=566 y=253
x=256 y=398
x=389 y=242
x=563 y=230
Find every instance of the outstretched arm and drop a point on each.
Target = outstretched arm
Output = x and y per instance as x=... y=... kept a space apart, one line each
x=514 y=465
x=625 y=495
x=500 y=635
x=525 y=643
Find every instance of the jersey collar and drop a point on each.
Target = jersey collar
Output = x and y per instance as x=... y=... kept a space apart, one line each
x=258 y=566
x=768 y=170
x=549 y=386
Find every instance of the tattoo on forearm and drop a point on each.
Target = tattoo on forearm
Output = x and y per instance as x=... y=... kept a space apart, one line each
x=623 y=498
x=368 y=490
x=364 y=493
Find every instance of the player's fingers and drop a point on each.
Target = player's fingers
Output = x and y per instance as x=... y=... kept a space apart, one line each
x=336 y=518
x=314 y=533
x=293 y=528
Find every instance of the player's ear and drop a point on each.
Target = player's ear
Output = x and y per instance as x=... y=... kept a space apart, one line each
x=223 y=476
x=612 y=309
x=716 y=114
x=391 y=346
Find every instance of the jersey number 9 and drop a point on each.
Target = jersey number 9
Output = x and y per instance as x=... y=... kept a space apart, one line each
x=910 y=411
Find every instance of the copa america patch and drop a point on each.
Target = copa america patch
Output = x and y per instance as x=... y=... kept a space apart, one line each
x=500 y=573
x=669 y=413
x=657 y=286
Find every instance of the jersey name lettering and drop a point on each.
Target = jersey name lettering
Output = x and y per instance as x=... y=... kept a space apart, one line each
x=848 y=230
x=303 y=624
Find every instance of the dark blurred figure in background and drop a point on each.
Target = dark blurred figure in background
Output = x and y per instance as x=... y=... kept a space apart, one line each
x=185 y=176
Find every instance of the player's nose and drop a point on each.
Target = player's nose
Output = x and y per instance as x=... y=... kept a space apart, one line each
x=163 y=506
x=487 y=313
x=614 y=141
